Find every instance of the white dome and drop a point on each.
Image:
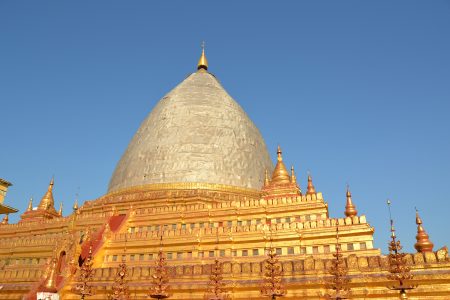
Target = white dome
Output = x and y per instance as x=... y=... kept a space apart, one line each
x=196 y=133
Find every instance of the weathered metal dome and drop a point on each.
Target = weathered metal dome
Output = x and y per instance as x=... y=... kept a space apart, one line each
x=196 y=133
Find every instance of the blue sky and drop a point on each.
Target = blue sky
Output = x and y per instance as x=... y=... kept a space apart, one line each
x=356 y=92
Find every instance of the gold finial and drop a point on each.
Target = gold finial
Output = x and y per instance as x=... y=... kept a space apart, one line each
x=390 y=218
x=293 y=177
x=310 y=188
x=350 y=208
x=75 y=205
x=50 y=281
x=279 y=152
x=202 y=62
x=47 y=202
x=423 y=242
x=60 y=211
x=30 y=204
x=280 y=174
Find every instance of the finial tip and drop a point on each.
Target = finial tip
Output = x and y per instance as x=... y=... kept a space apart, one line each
x=203 y=62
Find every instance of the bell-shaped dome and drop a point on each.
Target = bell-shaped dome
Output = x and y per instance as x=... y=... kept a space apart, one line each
x=196 y=133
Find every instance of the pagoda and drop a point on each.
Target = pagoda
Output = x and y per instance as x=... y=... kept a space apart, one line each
x=198 y=171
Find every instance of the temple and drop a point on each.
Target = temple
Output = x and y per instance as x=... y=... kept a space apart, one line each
x=196 y=209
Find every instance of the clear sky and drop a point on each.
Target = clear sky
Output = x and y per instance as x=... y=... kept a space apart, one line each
x=356 y=92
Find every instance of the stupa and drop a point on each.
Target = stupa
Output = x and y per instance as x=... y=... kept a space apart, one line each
x=196 y=172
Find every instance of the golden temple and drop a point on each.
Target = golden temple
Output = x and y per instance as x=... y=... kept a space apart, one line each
x=196 y=210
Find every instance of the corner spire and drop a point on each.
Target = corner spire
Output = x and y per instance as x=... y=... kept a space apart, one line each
x=310 y=188
x=293 y=177
x=60 y=211
x=266 y=178
x=30 y=204
x=350 y=208
x=202 y=62
x=423 y=242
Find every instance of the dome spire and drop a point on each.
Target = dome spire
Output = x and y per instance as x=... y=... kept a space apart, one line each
x=423 y=242
x=310 y=189
x=202 y=62
x=350 y=208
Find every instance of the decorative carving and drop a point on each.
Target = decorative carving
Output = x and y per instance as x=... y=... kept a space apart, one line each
x=442 y=254
x=352 y=262
x=362 y=262
x=236 y=268
x=309 y=263
x=430 y=257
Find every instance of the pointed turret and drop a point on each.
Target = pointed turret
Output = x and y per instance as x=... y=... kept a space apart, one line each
x=47 y=202
x=293 y=177
x=202 y=62
x=350 y=208
x=280 y=174
x=60 y=211
x=294 y=180
x=423 y=242
x=50 y=281
x=30 y=204
x=281 y=183
x=266 y=179
x=45 y=209
x=310 y=190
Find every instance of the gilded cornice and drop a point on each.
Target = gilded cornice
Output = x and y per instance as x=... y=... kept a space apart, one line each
x=185 y=186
